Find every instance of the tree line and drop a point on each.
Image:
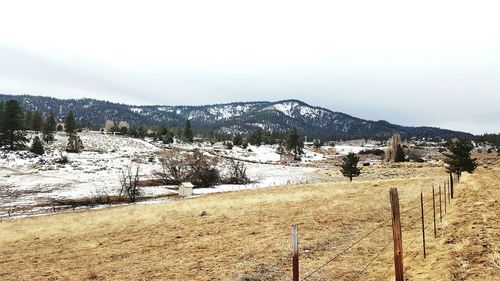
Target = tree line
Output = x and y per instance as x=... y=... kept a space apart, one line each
x=15 y=122
x=457 y=160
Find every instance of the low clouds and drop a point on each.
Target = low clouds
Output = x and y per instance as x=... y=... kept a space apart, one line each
x=414 y=64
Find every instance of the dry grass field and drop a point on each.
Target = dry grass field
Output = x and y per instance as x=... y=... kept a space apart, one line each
x=246 y=235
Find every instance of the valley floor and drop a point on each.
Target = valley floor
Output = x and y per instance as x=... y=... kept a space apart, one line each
x=246 y=235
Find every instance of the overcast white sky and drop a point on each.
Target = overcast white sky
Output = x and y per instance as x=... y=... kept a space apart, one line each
x=431 y=63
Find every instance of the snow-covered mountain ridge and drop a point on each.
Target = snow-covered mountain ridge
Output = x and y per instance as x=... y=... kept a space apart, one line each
x=230 y=118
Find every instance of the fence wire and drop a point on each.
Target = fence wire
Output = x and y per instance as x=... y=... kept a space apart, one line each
x=406 y=228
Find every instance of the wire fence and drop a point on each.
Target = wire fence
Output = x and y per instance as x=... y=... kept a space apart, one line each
x=417 y=216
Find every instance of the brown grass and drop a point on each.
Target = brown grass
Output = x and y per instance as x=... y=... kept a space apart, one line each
x=245 y=234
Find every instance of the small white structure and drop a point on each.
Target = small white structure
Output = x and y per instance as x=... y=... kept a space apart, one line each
x=186 y=189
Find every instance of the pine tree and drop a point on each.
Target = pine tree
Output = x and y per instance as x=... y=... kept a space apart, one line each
x=70 y=123
x=188 y=132
x=295 y=144
x=237 y=139
x=11 y=127
x=75 y=144
x=36 y=121
x=255 y=137
x=459 y=160
x=37 y=146
x=49 y=127
x=28 y=120
x=280 y=149
x=400 y=154
x=349 y=166
x=317 y=143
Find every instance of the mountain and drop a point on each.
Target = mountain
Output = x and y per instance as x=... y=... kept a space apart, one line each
x=230 y=118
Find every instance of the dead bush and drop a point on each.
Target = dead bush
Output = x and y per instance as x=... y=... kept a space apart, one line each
x=237 y=174
x=175 y=167
x=204 y=172
x=129 y=179
x=198 y=168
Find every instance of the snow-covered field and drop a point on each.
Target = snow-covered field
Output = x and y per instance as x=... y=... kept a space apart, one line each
x=263 y=154
x=29 y=180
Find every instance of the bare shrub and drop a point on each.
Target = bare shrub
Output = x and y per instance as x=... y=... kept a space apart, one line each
x=63 y=159
x=108 y=125
x=129 y=179
x=175 y=167
x=204 y=172
x=198 y=168
x=415 y=154
x=237 y=173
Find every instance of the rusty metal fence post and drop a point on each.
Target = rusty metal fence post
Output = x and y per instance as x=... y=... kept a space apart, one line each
x=295 y=252
x=423 y=223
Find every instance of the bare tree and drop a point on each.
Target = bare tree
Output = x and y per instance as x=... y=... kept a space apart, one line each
x=237 y=173
x=394 y=142
x=204 y=170
x=175 y=167
x=129 y=178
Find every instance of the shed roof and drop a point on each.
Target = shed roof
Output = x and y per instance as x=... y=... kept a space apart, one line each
x=187 y=184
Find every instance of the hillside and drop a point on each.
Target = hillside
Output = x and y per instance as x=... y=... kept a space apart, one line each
x=246 y=235
x=230 y=118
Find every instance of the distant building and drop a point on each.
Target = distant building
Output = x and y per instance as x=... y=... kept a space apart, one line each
x=186 y=189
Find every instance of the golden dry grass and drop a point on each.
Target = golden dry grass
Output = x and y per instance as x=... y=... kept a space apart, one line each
x=246 y=234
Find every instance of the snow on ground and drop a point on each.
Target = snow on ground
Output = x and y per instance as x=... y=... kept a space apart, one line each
x=28 y=180
x=261 y=154
x=344 y=149
x=267 y=176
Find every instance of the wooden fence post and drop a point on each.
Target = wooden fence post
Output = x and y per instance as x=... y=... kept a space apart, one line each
x=444 y=188
x=449 y=193
x=396 y=233
x=295 y=252
x=423 y=224
x=451 y=184
x=434 y=209
x=440 y=210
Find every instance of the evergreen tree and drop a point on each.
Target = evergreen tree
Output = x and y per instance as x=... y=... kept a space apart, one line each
x=75 y=144
x=49 y=127
x=11 y=126
x=317 y=143
x=124 y=130
x=37 y=146
x=36 y=121
x=237 y=139
x=133 y=132
x=255 y=137
x=459 y=160
x=400 y=154
x=188 y=131
x=28 y=120
x=244 y=144
x=280 y=149
x=295 y=144
x=141 y=133
x=70 y=123
x=349 y=167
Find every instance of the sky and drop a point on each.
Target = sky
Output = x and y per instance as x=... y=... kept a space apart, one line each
x=417 y=63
